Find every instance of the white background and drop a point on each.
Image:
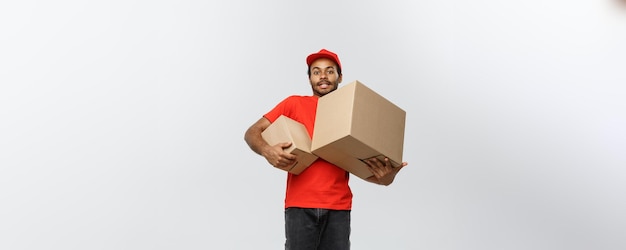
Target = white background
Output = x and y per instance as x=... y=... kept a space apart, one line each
x=121 y=122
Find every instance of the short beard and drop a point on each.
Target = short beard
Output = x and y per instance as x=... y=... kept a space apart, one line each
x=334 y=84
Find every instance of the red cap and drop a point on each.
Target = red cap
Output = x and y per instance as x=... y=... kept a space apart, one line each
x=323 y=53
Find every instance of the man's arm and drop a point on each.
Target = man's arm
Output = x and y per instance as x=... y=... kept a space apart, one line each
x=383 y=171
x=274 y=154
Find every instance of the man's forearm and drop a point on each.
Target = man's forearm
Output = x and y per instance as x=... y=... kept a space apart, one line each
x=255 y=141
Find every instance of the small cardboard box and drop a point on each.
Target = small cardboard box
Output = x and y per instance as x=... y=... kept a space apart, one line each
x=354 y=123
x=285 y=129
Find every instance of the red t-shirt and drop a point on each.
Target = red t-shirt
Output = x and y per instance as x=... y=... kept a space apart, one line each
x=322 y=184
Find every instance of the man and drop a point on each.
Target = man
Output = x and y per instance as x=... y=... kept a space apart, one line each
x=318 y=201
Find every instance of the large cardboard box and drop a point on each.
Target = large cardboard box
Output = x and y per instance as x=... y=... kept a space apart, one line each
x=354 y=123
x=285 y=129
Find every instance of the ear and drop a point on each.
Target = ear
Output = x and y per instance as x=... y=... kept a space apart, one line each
x=339 y=79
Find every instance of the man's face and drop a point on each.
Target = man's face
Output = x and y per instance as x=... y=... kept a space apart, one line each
x=324 y=77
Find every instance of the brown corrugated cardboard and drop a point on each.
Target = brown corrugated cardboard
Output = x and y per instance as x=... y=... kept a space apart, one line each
x=285 y=129
x=354 y=123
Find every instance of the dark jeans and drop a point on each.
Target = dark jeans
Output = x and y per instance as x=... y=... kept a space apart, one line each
x=317 y=229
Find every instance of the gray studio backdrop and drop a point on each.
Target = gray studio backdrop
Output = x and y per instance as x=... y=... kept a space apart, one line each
x=121 y=122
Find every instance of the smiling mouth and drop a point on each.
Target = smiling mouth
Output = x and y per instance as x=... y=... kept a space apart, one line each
x=323 y=85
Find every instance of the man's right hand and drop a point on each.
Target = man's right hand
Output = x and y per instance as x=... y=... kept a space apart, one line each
x=277 y=157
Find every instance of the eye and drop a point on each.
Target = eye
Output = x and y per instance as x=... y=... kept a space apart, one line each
x=330 y=72
x=316 y=72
